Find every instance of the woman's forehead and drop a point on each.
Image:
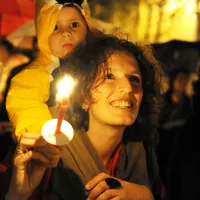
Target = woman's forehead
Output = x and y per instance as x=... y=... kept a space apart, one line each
x=120 y=59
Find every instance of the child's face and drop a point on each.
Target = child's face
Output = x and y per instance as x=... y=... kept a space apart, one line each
x=69 y=32
x=117 y=100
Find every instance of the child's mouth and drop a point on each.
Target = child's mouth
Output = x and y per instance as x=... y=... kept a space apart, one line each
x=68 y=45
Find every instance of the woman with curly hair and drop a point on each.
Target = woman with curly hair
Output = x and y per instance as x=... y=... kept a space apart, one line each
x=114 y=110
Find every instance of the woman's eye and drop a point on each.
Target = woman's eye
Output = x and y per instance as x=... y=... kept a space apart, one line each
x=109 y=76
x=55 y=28
x=75 y=24
x=135 y=79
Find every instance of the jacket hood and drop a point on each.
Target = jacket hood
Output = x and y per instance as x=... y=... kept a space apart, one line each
x=45 y=20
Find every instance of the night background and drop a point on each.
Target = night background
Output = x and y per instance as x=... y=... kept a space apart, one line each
x=171 y=26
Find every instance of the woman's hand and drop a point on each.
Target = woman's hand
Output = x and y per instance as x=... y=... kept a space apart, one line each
x=52 y=153
x=99 y=190
x=29 y=166
x=27 y=175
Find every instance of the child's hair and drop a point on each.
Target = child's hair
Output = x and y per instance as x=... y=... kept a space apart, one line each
x=86 y=66
x=78 y=2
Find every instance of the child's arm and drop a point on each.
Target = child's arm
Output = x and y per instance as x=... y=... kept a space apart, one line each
x=25 y=103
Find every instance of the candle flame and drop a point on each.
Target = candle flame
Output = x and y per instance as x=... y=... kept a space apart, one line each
x=65 y=87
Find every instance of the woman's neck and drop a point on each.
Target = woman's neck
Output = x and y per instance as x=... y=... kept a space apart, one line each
x=105 y=140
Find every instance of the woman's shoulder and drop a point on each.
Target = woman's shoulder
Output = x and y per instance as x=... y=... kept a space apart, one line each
x=134 y=150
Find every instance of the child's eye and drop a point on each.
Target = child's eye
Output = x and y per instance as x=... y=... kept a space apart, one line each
x=109 y=76
x=75 y=24
x=55 y=28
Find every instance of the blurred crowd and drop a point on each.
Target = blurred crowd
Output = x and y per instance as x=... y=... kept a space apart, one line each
x=12 y=61
x=177 y=108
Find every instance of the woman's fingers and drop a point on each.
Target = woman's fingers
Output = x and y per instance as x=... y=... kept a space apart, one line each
x=97 y=179
x=61 y=148
x=100 y=188
x=30 y=155
x=32 y=141
x=109 y=194
x=53 y=161
x=116 y=198
x=52 y=153
x=28 y=140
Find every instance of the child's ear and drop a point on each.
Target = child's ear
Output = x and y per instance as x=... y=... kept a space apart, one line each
x=85 y=106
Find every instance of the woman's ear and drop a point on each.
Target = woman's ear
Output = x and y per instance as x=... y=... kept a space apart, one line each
x=85 y=106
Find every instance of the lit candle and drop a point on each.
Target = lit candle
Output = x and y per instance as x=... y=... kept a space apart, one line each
x=63 y=106
x=59 y=131
x=64 y=89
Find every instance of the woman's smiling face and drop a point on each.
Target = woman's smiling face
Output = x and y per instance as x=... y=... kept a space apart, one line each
x=117 y=100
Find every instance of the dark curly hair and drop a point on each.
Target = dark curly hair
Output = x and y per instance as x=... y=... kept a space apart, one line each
x=85 y=66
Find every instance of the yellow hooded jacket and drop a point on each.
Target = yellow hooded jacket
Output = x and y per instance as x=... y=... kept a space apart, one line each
x=29 y=90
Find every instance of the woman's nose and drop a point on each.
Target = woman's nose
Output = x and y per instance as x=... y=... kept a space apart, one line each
x=124 y=86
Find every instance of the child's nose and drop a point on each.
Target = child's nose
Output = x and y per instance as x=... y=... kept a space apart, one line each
x=66 y=33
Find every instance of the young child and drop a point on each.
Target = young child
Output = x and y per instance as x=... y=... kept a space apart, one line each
x=60 y=28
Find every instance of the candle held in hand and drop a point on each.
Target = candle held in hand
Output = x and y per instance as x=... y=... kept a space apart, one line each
x=64 y=89
x=61 y=114
x=59 y=131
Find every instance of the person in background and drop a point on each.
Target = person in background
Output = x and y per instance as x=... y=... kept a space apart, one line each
x=16 y=62
x=114 y=114
x=183 y=168
x=15 y=59
x=10 y=58
x=6 y=49
x=175 y=100
x=175 y=111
